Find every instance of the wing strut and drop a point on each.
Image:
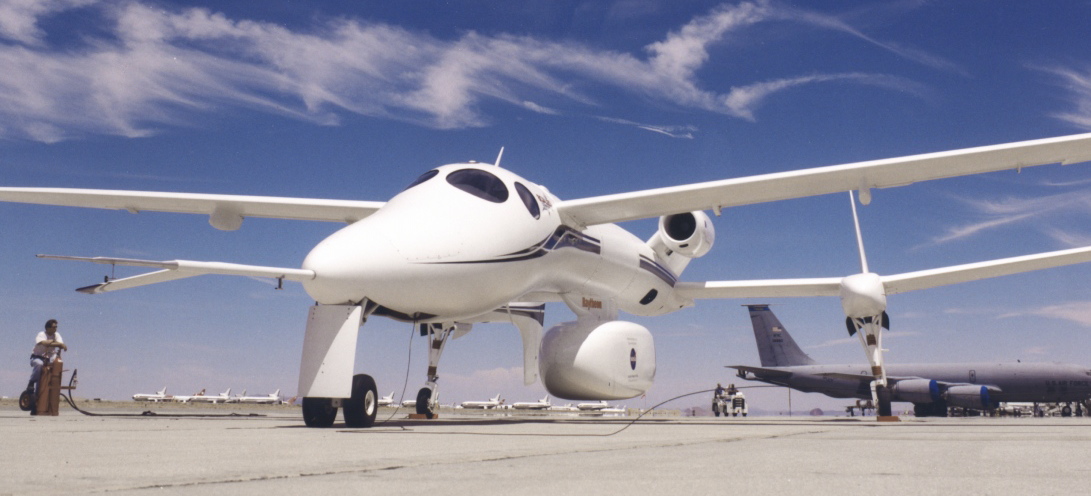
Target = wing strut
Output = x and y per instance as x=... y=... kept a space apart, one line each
x=863 y=297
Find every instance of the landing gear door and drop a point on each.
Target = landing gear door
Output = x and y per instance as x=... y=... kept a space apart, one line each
x=329 y=351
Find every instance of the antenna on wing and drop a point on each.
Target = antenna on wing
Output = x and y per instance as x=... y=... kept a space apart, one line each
x=497 y=163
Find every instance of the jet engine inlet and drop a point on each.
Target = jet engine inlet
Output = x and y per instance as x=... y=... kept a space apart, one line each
x=690 y=234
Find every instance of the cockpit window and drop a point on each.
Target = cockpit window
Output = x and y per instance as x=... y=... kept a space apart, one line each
x=528 y=200
x=480 y=184
x=423 y=177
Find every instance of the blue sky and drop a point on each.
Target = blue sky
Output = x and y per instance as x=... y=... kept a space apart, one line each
x=354 y=100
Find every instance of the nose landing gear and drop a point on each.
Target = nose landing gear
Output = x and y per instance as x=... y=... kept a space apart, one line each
x=428 y=396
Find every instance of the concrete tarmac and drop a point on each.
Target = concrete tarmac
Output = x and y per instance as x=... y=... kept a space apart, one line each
x=480 y=454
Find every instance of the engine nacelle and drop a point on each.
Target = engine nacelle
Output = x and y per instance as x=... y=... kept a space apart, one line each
x=594 y=360
x=971 y=396
x=863 y=295
x=690 y=235
x=916 y=391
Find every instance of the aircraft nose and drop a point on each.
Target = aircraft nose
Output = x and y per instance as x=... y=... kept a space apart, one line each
x=350 y=265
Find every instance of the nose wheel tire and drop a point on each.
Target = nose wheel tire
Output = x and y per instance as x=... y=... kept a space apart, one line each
x=360 y=410
x=424 y=402
x=319 y=412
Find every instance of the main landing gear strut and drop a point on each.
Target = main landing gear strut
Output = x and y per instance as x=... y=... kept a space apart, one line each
x=869 y=329
x=329 y=352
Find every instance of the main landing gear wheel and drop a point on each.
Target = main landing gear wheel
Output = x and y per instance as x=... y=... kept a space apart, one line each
x=360 y=410
x=319 y=412
x=424 y=402
x=26 y=400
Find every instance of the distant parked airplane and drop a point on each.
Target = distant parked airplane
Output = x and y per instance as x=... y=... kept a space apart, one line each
x=187 y=399
x=155 y=398
x=598 y=405
x=267 y=399
x=542 y=404
x=931 y=387
x=387 y=400
x=493 y=402
x=223 y=397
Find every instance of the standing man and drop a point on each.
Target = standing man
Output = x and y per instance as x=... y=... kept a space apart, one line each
x=46 y=347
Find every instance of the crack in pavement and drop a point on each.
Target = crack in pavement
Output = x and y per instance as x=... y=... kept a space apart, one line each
x=437 y=463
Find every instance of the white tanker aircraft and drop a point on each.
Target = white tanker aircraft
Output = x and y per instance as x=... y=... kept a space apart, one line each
x=470 y=242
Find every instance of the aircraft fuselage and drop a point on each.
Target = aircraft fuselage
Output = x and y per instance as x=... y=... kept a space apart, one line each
x=477 y=238
x=1022 y=382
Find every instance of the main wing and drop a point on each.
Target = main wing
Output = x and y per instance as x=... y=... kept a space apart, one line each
x=225 y=212
x=892 y=284
x=180 y=269
x=861 y=176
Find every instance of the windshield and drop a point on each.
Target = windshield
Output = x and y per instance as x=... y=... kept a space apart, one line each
x=423 y=177
x=480 y=184
x=528 y=200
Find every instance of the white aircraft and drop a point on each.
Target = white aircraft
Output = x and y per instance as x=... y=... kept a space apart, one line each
x=161 y=395
x=567 y=407
x=492 y=403
x=269 y=399
x=470 y=242
x=223 y=397
x=235 y=399
x=187 y=399
x=387 y=400
x=542 y=404
x=595 y=406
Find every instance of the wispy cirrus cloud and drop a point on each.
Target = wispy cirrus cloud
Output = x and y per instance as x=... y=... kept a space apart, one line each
x=837 y=24
x=19 y=18
x=1038 y=351
x=854 y=340
x=1024 y=211
x=149 y=67
x=675 y=131
x=1073 y=311
x=743 y=101
x=1077 y=81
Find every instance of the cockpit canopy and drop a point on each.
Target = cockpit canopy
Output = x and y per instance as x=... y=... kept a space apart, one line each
x=423 y=177
x=485 y=185
x=479 y=183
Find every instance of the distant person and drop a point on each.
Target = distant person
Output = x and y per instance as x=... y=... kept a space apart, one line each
x=46 y=348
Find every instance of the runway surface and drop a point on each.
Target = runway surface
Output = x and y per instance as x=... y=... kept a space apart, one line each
x=276 y=454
